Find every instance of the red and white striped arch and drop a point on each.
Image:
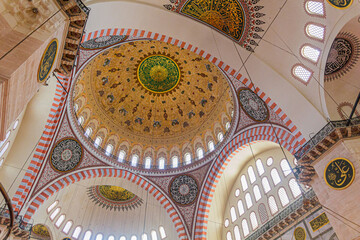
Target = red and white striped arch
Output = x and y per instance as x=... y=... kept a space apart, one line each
x=241 y=141
x=71 y=178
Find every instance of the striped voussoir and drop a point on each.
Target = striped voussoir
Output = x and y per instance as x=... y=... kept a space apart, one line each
x=259 y=133
x=67 y=180
x=43 y=145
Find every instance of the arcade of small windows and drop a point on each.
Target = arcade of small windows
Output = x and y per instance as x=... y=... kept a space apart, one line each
x=316 y=33
x=68 y=228
x=148 y=161
x=264 y=188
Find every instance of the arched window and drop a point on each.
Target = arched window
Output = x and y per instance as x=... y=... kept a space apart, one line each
x=67 y=227
x=240 y=206
x=257 y=193
x=227 y=126
x=266 y=185
x=60 y=220
x=55 y=213
x=122 y=238
x=162 y=232
x=76 y=232
x=275 y=176
x=175 y=161
x=88 y=132
x=284 y=199
x=251 y=174
x=220 y=137
x=243 y=183
x=310 y=53
x=285 y=167
x=122 y=155
x=315 y=8
x=245 y=227
x=76 y=107
x=4 y=149
x=269 y=161
x=87 y=235
x=237 y=233
x=80 y=120
x=272 y=205
x=98 y=141
x=109 y=149
x=294 y=187
x=133 y=237
x=153 y=235
x=233 y=214
x=6 y=138
x=248 y=200
x=144 y=236
x=228 y=236
x=16 y=123
x=147 y=162
x=260 y=167
x=302 y=73
x=187 y=158
x=99 y=236
x=161 y=163
x=237 y=192
x=315 y=31
x=226 y=223
x=254 y=221
x=263 y=213
x=134 y=160
x=51 y=207
x=211 y=146
x=200 y=153
x=111 y=237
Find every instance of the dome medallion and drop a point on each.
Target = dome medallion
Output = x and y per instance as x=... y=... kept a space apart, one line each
x=158 y=74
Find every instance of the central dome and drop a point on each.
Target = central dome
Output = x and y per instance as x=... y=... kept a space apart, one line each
x=152 y=97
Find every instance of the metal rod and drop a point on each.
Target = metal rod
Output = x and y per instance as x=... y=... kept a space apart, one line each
x=353 y=110
x=29 y=35
x=60 y=83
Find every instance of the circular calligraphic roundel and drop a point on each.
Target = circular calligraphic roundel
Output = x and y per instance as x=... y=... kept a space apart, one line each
x=158 y=73
x=340 y=54
x=184 y=189
x=47 y=60
x=299 y=233
x=339 y=173
x=66 y=155
x=340 y=4
x=253 y=105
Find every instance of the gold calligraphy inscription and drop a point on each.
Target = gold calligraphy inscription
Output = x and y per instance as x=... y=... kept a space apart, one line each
x=339 y=173
x=225 y=15
x=319 y=222
x=340 y=4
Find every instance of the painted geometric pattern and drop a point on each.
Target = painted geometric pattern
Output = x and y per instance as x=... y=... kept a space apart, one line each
x=239 y=20
x=114 y=198
x=43 y=145
x=107 y=172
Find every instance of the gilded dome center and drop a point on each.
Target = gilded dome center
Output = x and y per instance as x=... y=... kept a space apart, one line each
x=158 y=74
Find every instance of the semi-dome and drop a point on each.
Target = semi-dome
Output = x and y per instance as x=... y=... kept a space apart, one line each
x=153 y=100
